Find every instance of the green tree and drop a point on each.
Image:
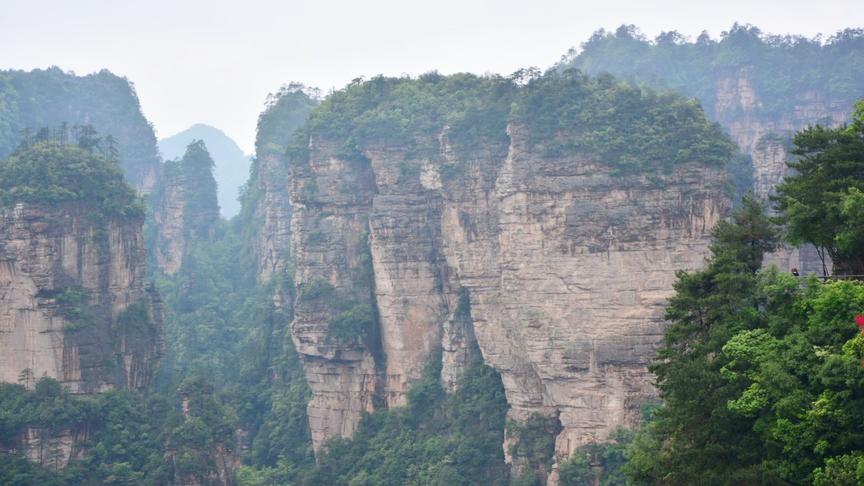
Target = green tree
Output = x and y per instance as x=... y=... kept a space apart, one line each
x=49 y=172
x=822 y=203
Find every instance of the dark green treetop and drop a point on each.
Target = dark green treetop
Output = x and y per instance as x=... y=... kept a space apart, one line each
x=47 y=170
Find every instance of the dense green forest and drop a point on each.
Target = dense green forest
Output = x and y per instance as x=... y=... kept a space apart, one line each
x=30 y=100
x=781 y=68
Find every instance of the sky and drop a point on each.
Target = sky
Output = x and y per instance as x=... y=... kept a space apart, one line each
x=215 y=61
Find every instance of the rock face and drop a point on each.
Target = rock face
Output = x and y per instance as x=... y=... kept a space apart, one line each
x=274 y=213
x=564 y=264
x=185 y=208
x=267 y=192
x=231 y=165
x=74 y=305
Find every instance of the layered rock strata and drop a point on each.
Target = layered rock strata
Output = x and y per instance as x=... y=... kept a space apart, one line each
x=564 y=263
x=74 y=304
x=767 y=138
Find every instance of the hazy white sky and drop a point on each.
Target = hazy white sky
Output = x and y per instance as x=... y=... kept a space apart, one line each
x=214 y=61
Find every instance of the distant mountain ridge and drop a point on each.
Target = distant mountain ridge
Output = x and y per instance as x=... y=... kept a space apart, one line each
x=30 y=100
x=232 y=165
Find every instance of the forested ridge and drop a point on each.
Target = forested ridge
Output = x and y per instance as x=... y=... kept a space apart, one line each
x=782 y=69
x=31 y=100
x=760 y=374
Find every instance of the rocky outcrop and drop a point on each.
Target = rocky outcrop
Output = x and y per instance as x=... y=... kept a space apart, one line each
x=558 y=267
x=267 y=191
x=760 y=88
x=52 y=449
x=74 y=304
x=185 y=208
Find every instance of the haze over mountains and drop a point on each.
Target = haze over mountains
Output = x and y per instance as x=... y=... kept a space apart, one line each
x=232 y=165
x=559 y=277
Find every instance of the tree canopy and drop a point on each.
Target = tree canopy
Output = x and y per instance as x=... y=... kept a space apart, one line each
x=47 y=171
x=781 y=68
x=822 y=202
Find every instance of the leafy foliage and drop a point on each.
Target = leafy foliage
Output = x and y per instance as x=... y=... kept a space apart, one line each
x=624 y=126
x=578 y=470
x=534 y=441
x=823 y=202
x=48 y=172
x=438 y=439
x=564 y=113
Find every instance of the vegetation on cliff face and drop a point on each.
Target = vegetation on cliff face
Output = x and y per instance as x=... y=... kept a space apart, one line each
x=231 y=165
x=195 y=172
x=780 y=68
x=50 y=97
x=285 y=112
x=621 y=125
x=50 y=170
x=123 y=432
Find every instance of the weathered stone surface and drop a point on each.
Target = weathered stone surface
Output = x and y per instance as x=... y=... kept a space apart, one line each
x=169 y=246
x=53 y=449
x=185 y=208
x=568 y=267
x=738 y=107
x=273 y=246
x=564 y=265
x=44 y=251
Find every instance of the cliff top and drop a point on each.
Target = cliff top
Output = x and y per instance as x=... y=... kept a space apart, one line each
x=623 y=126
x=49 y=172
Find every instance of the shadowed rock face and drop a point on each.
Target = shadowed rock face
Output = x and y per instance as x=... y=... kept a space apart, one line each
x=74 y=305
x=564 y=264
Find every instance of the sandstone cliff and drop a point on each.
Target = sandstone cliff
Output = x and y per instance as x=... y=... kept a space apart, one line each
x=74 y=304
x=557 y=266
x=266 y=196
x=185 y=208
x=767 y=136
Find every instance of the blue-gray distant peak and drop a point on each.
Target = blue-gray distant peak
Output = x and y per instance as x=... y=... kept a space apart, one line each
x=232 y=165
